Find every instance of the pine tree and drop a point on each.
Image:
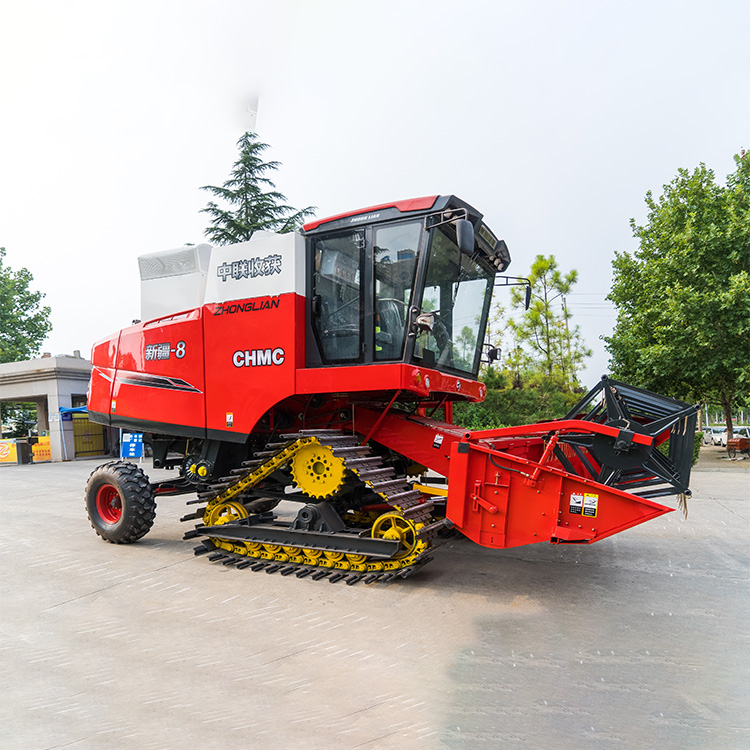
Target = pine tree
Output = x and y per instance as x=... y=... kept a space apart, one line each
x=550 y=345
x=253 y=199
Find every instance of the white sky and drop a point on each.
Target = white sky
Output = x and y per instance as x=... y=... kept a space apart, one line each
x=551 y=118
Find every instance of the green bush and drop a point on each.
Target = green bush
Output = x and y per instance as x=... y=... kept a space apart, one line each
x=697 y=442
x=507 y=407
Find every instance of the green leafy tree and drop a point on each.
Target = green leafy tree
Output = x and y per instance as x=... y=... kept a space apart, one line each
x=254 y=203
x=545 y=340
x=683 y=297
x=24 y=323
x=466 y=342
x=535 y=379
x=18 y=419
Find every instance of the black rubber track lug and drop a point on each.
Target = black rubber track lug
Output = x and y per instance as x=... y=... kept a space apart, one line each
x=200 y=550
x=387 y=577
x=244 y=564
x=302 y=572
x=318 y=574
x=335 y=577
x=351 y=580
x=258 y=566
x=273 y=567
x=288 y=570
x=229 y=561
x=216 y=556
x=370 y=578
x=406 y=572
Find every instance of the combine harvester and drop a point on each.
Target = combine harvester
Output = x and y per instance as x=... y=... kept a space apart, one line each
x=310 y=368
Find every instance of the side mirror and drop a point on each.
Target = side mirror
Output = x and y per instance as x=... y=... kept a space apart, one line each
x=465 y=236
x=528 y=296
x=425 y=322
x=493 y=354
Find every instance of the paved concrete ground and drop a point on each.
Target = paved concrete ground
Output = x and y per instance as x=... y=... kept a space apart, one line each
x=638 y=641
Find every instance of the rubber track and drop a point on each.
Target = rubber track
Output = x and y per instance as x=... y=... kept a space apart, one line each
x=301 y=570
x=395 y=491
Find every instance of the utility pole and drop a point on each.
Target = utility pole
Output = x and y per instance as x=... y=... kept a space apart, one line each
x=567 y=340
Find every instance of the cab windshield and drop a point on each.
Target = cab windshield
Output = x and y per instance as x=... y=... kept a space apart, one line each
x=398 y=292
x=454 y=306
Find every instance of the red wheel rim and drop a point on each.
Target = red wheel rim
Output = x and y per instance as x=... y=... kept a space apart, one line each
x=108 y=504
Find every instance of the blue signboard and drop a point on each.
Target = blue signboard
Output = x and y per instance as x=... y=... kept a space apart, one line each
x=132 y=445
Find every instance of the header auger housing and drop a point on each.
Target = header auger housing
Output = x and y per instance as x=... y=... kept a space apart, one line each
x=292 y=384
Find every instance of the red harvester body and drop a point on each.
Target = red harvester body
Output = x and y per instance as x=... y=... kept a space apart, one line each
x=292 y=382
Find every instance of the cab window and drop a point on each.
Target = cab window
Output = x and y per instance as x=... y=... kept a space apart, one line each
x=337 y=296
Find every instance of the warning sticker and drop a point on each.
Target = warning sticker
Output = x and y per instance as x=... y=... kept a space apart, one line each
x=438 y=441
x=590 y=504
x=576 y=505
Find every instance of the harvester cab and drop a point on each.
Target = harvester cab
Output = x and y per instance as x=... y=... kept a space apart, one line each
x=292 y=384
x=392 y=286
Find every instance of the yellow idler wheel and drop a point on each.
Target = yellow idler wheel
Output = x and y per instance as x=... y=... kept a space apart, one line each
x=317 y=471
x=224 y=513
x=395 y=526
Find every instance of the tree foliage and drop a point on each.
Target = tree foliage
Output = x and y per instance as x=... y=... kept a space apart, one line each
x=535 y=379
x=545 y=342
x=254 y=203
x=683 y=298
x=541 y=398
x=24 y=323
x=17 y=418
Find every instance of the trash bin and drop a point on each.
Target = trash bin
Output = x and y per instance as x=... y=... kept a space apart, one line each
x=23 y=451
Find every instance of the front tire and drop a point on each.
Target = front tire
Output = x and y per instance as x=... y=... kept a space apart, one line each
x=120 y=502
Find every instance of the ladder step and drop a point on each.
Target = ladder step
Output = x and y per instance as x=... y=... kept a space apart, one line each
x=362 y=461
x=344 y=451
x=419 y=508
x=400 y=496
x=311 y=433
x=433 y=527
x=385 y=472
x=390 y=484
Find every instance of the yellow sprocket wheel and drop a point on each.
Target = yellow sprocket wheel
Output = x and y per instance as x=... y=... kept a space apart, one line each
x=393 y=525
x=317 y=472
